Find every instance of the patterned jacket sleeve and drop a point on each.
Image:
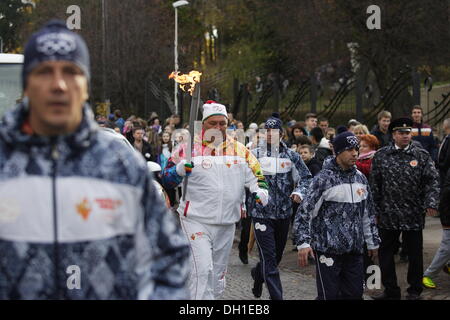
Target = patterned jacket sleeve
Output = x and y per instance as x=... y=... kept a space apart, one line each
x=369 y=223
x=376 y=182
x=304 y=173
x=307 y=210
x=430 y=182
x=170 y=178
x=162 y=251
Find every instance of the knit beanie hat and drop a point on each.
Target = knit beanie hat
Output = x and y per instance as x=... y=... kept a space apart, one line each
x=212 y=108
x=291 y=123
x=345 y=141
x=253 y=126
x=274 y=122
x=54 y=42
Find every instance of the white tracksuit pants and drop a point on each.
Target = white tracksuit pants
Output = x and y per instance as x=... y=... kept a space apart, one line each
x=211 y=246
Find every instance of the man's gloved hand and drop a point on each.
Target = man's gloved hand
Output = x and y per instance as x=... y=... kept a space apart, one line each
x=262 y=197
x=184 y=169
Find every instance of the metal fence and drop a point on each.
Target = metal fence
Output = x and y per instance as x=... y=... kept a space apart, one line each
x=351 y=96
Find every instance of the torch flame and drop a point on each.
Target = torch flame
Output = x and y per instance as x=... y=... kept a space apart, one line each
x=184 y=80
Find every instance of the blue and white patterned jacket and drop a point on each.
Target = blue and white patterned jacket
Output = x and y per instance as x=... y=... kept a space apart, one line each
x=80 y=219
x=279 y=166
x=338 y=214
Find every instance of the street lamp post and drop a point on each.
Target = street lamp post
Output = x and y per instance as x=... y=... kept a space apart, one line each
x=104 y=50
x=176 y=5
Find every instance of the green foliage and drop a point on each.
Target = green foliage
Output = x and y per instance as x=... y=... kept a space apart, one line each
x=12 y=18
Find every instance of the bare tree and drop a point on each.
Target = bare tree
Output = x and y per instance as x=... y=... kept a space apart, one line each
x=138 y=45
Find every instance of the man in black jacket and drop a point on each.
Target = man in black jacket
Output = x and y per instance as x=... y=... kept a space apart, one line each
x=422 y=132
x=405 y=185
x=444 y=152
x=80 y=216
x=321 y=145
x=442 y=256
x=143 y=146
x=381 y=131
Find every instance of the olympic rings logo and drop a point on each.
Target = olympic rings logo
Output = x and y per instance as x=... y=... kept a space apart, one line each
x=271 y=123
x=353 y=141
x=55 y=43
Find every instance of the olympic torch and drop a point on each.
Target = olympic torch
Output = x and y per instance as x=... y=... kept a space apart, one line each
x=193 y=80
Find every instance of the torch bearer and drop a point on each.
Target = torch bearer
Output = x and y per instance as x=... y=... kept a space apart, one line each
x=193 y=78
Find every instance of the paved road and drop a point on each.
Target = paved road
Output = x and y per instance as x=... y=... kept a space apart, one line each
x=299 y=284
x=296 y=286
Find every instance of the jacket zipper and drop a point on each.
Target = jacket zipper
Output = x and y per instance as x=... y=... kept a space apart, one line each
x=220 y=187
x=276 y=180
x=351 y=189
x=55 y=157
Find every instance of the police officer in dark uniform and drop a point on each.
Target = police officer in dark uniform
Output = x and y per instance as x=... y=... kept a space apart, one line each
x=405 y=186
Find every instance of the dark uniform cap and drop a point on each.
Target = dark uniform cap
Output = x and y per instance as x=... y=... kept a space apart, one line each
x=401 y=124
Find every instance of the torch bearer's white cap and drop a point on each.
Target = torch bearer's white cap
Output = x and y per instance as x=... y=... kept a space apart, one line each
x=212 y=108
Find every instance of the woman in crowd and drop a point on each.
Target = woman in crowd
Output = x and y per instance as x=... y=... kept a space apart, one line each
x=367 y=147
x=297 y=131
x=352 y=123
x=155 y=124
x=360 y=130
x=330 y=133
x=240 y=125
x=168 y=129
x=165 y=150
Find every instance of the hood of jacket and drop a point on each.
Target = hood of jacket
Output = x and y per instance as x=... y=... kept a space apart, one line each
x=324 y=143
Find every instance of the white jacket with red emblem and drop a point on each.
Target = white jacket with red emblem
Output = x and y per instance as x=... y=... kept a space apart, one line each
x=80 y=219
x=215 y=191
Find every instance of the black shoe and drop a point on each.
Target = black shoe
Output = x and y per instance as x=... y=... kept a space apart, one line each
x=243 y=256
x=413 y=296
x=257 y=285
x=446 y=268
x=384 y=296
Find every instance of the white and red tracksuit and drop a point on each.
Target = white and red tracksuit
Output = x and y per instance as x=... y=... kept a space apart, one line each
x=214 y=196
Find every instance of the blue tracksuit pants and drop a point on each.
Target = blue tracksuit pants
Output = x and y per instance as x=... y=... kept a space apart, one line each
x=271 y=236
x=339 y=276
